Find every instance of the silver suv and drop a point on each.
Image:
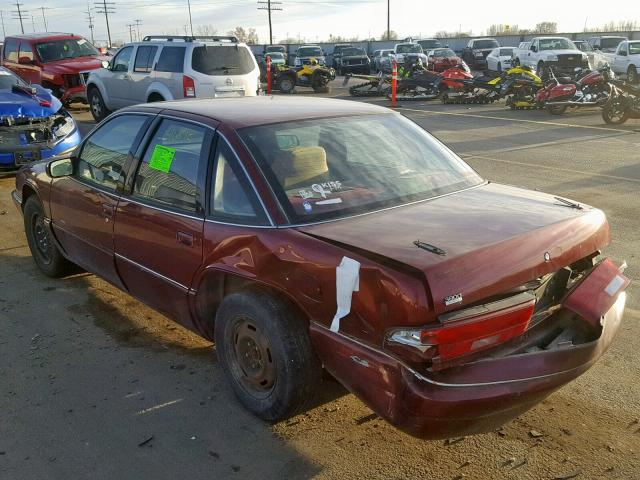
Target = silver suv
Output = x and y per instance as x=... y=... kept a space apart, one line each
x=173 y=67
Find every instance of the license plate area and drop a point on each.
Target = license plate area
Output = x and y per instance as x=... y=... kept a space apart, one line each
x=597 y=292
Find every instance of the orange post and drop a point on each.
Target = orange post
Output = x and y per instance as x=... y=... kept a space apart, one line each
x=268 y=74
x=394 y=81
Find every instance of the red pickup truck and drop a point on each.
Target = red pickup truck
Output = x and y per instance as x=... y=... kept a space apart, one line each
x=60 y=62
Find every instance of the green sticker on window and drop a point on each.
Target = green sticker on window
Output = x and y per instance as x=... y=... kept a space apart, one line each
x=162 y=158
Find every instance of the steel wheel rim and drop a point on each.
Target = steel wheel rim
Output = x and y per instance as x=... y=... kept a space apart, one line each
x=615 y=113
x=41 y=237
x=95 y=105
x=286 y=84
x=252 y=361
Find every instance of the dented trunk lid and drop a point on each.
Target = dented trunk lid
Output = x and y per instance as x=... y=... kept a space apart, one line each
x=495 y=238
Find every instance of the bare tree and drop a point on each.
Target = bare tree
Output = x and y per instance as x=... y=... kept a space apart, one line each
x=546 y=27
x=389 y=35
x=620 y=26
x=502 y=29
x=445 y=34
x=246 y=36
x=206 y=30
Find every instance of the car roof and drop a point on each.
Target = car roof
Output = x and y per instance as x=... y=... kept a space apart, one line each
x=261 y=110
x=44 y=35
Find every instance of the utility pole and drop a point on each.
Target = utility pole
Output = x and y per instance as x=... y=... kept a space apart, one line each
x=44 y=19
x=138 y=23
x=106 y=8
x=33 y=24
x=269 y=8
x=90 y=20
x=130 y=26
x=190 y=22
x=388 y=20
x=20 y=14
x=4 y=32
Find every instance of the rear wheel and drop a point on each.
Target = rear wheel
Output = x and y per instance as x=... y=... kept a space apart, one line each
x=96 y=103
x=632 y=74
x=44 y=251
x=264 y=348
x=614 y=113
x=155 y=97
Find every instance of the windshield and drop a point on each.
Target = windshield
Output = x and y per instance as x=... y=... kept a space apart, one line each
x=409 y=48
x=275 y=55
x=556 y=44
x=485 y=44
x=309 y=52
x=634 y=48
x=64 y=49
x=444 y=52
x=274 y=49
x=8 y=79
x=426 y=44
x=350 y=52
x=335 y=167
x=583 y=46
x=610 y=44
x=222 y=60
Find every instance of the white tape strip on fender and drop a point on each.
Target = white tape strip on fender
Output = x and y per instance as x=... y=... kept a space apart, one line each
x=347 y=282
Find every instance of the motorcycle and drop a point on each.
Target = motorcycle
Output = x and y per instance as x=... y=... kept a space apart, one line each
x=519 y=84
x=623 y=103
x=590 y=89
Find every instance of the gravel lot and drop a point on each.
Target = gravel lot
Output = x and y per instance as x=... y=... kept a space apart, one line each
x=96 y=385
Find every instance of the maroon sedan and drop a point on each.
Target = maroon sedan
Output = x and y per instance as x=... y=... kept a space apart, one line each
x=302 y=233
x=441 y=59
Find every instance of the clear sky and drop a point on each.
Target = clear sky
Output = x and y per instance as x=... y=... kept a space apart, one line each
x=316 y=19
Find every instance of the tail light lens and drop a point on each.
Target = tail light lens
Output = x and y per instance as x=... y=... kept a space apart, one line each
x=188 y=87
x=465 y=331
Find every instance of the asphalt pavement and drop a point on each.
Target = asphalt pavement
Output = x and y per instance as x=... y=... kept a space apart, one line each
x=96 y=385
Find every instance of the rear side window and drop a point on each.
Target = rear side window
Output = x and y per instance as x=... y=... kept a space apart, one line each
x=105 y=152
x=222 y=60
x=25 y=51
x=171 y=60
x=11 y=51
x=144 y=59
x=168 y=172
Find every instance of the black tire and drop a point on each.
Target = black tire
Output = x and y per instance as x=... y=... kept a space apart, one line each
x=286 y=84
x=632 y=74
x=556 y=109
x=155 y=97
x=264 y=349
x=613 y=113
x=44 y=251
x=499 y=68
x=542 y=71
x=98 y=109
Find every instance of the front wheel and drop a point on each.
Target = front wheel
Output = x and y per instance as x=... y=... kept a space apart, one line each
x=286 y=84
x=614 y=113
x=43 y=249
x=96 y=103
x=263 y=346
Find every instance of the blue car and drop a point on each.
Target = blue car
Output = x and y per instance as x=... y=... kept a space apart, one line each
x=33 y=124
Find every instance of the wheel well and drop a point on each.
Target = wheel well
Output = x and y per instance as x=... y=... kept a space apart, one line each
x=27 y=191
x=217 y=285
x=155 y=97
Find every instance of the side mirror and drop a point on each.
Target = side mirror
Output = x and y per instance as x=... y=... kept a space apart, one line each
x=534 y=48
x=62 y=167
x=25 y=61
x=105 y=64
x=623 y=53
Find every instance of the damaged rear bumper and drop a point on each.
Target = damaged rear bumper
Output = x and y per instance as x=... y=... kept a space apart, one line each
x=473 y=398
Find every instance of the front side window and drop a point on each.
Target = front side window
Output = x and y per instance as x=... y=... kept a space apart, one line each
x=144 y=59
x=122 y=60
x=334 y=167
x=105 y=152
x=11 y=51
x=64 y=49
x=25 y=52
x=171 y=60
x=222 y=60
x=168 y=172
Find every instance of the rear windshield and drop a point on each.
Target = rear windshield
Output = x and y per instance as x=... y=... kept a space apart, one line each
x=8 y=79
x=485 y=44
x=274 y=48
x=409 y=48
x=610 y=43
x=334 y=167
x=222 y=60
x=429 y=44
x=506 y=52
x=309 y=52
x=64 y=49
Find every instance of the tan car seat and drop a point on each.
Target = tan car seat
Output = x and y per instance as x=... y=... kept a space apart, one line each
x=299 y=165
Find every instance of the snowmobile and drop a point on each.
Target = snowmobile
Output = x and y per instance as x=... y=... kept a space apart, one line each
x=374 y=86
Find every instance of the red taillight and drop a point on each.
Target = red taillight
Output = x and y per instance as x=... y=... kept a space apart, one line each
x=468 y=331
x=188 y=87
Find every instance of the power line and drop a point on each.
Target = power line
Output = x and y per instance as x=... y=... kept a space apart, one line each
x=130 y=26
x=19 y=14
x=269 y=8
x=44 y=19
x=106 y=8
x=90 y=20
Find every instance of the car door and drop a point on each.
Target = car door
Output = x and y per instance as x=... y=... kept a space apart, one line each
x=83 y=205
x=27 y=69
x=140 y=76
x=621 y=59
x=118 y=82
x=10 y=55
x=159 y=221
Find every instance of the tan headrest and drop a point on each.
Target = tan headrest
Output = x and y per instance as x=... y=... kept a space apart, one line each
x=303 y=163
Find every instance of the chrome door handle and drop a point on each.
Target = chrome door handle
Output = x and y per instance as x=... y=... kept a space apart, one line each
x=185 y=238
x=107 y=211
